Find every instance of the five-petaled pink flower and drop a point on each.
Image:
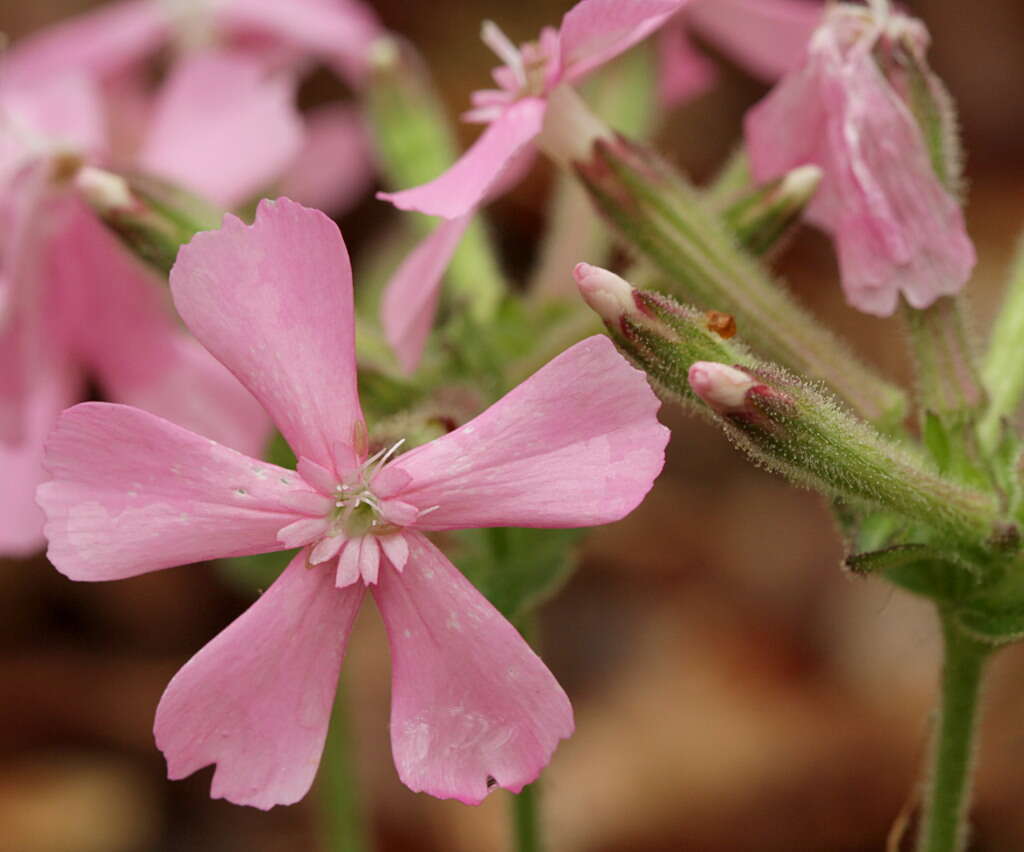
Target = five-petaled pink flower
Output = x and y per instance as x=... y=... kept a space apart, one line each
x=898 y=230
x=592 y=33
x=472 y=706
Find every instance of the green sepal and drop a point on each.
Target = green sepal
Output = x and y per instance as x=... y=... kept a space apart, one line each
x=516 y=569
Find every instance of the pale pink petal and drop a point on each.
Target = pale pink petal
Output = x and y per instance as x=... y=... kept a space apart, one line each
x=459 y=190
x=339 y=31
x=396 y=549
x=21 y=463
x=273 y=302
x=318 y=476
x=56 y=113
x=576 y=444
x=897 y=230
x=327 y=548
x=223 y=127
x=98 y=42
x=471 y=704
x=335 y=166
x=302 y=532
x=256 y=701
x=767 y=37
x=410 y=300
x=348 y=564
x=132 y=493
x=683 y=71
x=596 y=31
x=126 y=332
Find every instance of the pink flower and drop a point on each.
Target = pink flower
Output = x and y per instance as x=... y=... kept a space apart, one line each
x=897 y=230
x=592 y=33
x=75 y=303
x=116 y=36
x=766 y=37
x=472 y=705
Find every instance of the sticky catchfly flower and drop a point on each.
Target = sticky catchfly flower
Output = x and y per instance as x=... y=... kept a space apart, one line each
x=472 y=706
x=523 y=109
x=898 y=230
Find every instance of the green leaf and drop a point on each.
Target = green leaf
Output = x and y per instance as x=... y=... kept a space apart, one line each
x=994 y=625
x=516 y=569
x=918 y=568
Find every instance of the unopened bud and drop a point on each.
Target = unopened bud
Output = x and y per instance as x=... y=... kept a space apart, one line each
x=609 y=295
x=763 y=218
x=722 y=387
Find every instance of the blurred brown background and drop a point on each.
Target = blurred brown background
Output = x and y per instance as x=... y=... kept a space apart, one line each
x=734 y=690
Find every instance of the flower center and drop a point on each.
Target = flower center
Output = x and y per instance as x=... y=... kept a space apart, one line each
x=529 y=69
x=357 y=510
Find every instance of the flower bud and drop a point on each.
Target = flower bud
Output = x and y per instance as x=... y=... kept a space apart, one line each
x=722 y=387
x=762 y=219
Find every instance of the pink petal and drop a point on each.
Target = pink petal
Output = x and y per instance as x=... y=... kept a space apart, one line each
x=340 y=31
x=273 y=302
x=470 y=701
x=576 y=444
x=410 y=300
x=897 y=230
x=132 y=493
x=458 y=191
x=683 y=71
x=767 y=37
x=126 y=332
x=302 y=532
x=396 y=549
x=256 y=701
x=335 y=166
x=98 y=42
x=327 y=548
x=596 y=31
x=21 y=520
x=223 y=127
x=58 y=112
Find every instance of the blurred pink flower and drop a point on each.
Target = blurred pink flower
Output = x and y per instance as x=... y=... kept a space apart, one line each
x=897 y=229
x=115 y=37
x=472 y=706
x=592 y=32
x=75 y=303
x=269 y=39
x=766 y=37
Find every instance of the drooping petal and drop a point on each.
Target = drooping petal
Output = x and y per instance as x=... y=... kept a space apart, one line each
x=897 y=229
x=335 y=167
x=458 y=191
x=223 y=127
x=21 y=463
x=410 y=300
x=256 y=701
x=98 y=42
x=596 y=31
x=767 y=37
x=576 y=444
x=471 y=704
x=273 y=302
x=132 y=493
x=683 y=71
x=127 y=334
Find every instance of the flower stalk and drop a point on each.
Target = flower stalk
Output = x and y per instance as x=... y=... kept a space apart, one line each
x=699 y=260
x=947 y=791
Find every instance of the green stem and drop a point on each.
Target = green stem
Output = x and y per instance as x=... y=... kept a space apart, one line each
x=944 y=822
x=341 y=815
x=525 y=819
x=525 y=807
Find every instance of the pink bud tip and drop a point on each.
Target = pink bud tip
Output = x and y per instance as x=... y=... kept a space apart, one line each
x=610 y=296
x=722 y=387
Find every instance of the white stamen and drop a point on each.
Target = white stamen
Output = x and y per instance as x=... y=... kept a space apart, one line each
x=506 y=51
